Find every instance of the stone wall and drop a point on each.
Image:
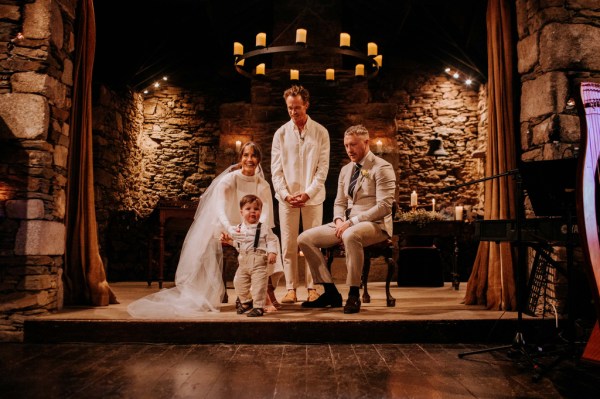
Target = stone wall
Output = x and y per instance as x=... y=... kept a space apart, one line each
x=558 y=47
x=36 y=71
x=147 y=148
x=430 y=104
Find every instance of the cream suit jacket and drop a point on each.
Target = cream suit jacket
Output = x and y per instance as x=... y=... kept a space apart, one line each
x=373 y=194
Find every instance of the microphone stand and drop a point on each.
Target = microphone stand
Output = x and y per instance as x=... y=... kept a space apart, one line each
x=518 y=344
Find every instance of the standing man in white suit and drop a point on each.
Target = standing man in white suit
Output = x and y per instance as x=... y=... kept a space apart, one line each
x=299 y=166
x=362 y=216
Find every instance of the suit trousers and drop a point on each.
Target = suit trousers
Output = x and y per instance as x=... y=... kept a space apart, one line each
x=289 y=223
x=355 y=238
x=251 y=278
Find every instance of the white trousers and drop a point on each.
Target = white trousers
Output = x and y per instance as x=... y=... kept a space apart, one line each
x=289 y=223
x=355 y=238
x=251 y=278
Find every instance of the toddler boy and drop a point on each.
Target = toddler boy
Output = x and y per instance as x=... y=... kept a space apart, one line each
x=257 y=247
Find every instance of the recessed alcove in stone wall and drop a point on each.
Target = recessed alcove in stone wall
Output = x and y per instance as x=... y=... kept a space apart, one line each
x=170 y=145
x=147 y=149
x=431 y=104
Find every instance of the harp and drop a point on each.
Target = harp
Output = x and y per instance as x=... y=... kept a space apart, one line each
x=588 y=201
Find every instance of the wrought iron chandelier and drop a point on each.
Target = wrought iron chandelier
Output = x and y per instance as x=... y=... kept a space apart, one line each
x=253 y=64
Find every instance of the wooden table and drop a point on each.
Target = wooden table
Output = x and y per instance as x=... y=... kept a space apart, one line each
x=167 y=210
x=457 y=231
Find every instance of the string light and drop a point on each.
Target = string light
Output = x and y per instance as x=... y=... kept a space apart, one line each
x=456 y=74
x=156 y=85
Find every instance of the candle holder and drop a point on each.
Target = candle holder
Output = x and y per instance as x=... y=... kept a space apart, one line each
x=370 y=62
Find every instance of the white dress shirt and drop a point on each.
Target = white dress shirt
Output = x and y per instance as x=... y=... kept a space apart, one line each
x=300 y=162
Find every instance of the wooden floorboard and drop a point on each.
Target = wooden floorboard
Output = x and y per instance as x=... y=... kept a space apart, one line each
x=235 y=371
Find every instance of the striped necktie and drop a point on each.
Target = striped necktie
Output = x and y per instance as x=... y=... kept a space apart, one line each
x=353 y=179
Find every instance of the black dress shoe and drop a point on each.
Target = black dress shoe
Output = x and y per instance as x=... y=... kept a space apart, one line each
x=324 y=301
x=242 y=308
x=352 y=304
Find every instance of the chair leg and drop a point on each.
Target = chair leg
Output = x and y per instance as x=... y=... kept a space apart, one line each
x=151 y=262
x=366 y=298
x=390 y=300
x=225 y=296
x=329 y=254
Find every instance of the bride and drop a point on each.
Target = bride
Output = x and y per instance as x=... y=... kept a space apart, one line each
x=198 y=279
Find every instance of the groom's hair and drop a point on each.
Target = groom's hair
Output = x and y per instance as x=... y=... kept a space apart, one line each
x=357 y=130
x=249 y=199
x=297 y=91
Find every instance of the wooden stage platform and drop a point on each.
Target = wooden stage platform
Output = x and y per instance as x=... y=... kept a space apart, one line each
x=435 y=315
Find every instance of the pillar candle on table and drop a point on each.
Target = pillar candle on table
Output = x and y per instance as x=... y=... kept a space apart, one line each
x=458 y=212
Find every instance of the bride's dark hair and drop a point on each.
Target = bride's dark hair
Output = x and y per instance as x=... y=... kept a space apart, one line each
x=257 y=151
x=255 y=147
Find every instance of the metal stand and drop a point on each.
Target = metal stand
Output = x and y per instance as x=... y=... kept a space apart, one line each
x=518 y=345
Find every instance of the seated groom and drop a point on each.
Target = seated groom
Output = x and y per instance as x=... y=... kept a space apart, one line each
x=362 y=215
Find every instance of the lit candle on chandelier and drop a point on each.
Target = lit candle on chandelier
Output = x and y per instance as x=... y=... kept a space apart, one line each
x=379 y=147
x=379 y=60
x=344 y=40
x=261 y=39
x=359 y=70
x=300 y=36
x=371 y=49
x=260 y=69
x=330 y=74
x=238 y=48
x=238 y=146
x=294 y=74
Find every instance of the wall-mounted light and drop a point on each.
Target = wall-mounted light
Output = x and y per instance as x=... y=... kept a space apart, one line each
x=379 y=147
x=436 y=147
x=238 y=146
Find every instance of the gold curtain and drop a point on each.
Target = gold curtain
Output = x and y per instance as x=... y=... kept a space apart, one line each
x=492 y=282
x=84 y=277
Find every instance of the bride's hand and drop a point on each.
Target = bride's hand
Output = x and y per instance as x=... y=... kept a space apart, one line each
x=226 y=238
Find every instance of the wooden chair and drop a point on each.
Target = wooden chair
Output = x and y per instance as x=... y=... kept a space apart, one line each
x=386 y=248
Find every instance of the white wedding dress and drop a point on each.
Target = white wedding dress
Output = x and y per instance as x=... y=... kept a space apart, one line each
x=198 y=279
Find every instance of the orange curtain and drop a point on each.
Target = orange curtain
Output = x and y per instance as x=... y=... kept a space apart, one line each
x=84 y=276
x=492 y=282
